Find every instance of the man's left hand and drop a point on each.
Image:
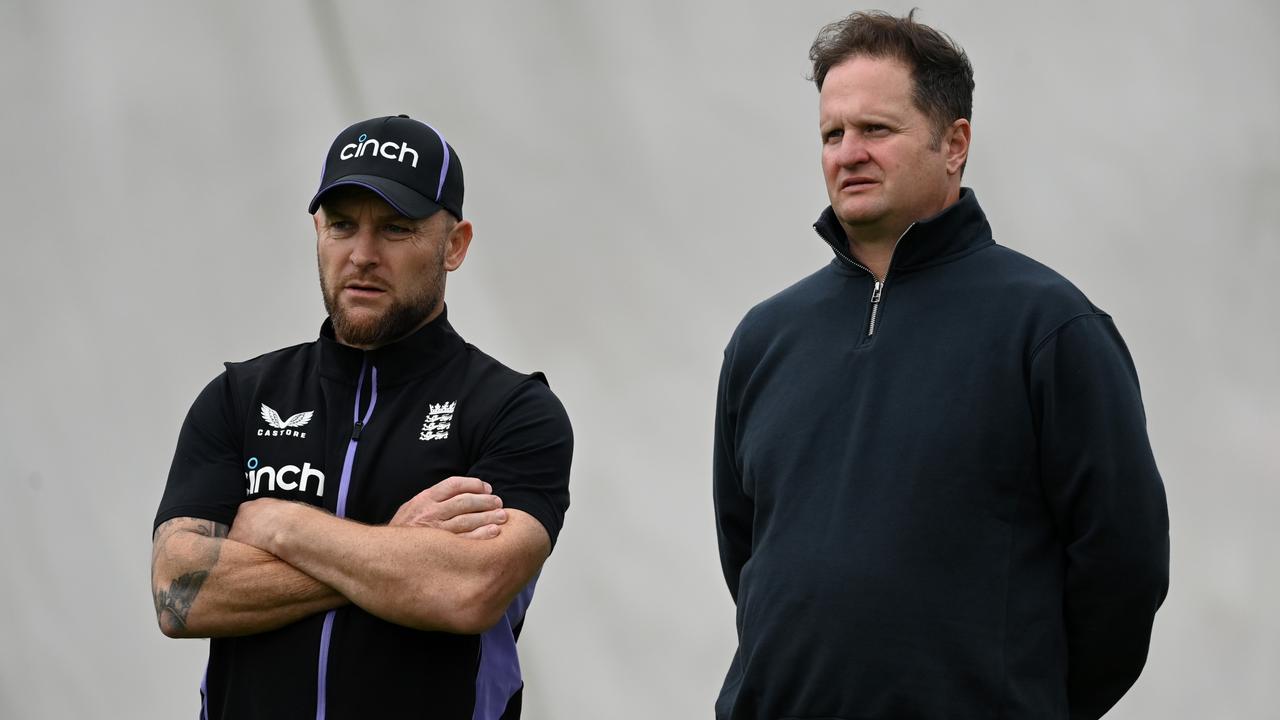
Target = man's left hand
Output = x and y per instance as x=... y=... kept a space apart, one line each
x=464 y=506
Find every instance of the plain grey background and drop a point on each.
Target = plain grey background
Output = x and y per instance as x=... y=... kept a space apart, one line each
x=639 y=174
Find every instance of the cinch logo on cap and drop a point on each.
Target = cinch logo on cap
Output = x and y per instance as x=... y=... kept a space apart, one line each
x=364 y=143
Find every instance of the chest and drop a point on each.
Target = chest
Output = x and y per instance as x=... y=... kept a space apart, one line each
x=933 y=404
x=357 y=451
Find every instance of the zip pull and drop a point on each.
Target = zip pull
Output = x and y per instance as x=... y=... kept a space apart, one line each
x=875 y=306
x=355 y=432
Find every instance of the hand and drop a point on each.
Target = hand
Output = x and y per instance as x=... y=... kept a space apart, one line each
x=258 y=520
x=464 y=506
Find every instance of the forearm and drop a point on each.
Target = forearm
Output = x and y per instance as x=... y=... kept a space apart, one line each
x=206 y=585
x=1117 y=575
x=418 y=577
x=733 y=514
x=1109 y=622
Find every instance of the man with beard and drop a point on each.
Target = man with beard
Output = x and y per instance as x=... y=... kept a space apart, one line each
x=934 y=491
x=358 y=522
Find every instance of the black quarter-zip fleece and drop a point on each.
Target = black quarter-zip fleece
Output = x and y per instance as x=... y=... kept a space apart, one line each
x=957 y=515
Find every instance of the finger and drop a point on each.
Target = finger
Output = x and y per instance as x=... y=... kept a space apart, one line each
x=423 y=511
x=466 y=523
x=467 y=503
x=455 y=485
x=483 y=533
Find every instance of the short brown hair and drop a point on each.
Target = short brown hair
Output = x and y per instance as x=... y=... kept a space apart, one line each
x=939 y=67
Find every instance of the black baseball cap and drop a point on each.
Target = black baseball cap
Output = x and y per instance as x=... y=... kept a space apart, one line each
x=406 y=162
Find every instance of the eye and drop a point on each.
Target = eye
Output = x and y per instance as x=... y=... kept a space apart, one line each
x=876 y=130
x=341 y=227
x=831 y=135
x=395 y=230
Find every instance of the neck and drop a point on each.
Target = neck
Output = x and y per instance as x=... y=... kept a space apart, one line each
x=873 y=245
x=873 y=248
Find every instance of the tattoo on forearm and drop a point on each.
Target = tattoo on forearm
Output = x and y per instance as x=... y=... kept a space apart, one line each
x=174 y=603
x=212 y=529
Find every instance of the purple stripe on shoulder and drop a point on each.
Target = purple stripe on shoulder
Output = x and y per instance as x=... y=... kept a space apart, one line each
x=498 y=677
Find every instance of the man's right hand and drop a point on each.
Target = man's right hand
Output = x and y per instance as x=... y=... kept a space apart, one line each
x=465 y=506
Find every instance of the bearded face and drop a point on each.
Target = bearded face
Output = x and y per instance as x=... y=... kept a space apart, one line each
x=369 y=327
x=382 y=275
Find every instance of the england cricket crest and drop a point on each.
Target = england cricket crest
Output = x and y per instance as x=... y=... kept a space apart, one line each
x=436 y=426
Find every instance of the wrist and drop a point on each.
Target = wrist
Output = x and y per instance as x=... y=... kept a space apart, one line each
x=285 y=528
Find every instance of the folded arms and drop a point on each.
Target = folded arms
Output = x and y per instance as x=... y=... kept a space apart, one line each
x=451 y=559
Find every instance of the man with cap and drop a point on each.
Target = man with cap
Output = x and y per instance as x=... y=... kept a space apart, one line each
x=358 y=522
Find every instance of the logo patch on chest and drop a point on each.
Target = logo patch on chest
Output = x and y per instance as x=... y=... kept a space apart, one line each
x=280 y=427
x=436 y=426
x=289 y=477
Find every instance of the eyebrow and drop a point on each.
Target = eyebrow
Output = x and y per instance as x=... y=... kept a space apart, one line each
x=876 y=115
x=331 y=213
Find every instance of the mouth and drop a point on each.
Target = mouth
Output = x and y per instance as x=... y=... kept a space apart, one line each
x=363 y=289
x=855 y=184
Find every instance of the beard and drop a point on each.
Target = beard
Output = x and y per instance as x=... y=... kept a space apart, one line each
x=400 y=319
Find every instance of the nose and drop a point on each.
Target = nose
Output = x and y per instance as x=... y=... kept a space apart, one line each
x=364 y=248
x=852 y=150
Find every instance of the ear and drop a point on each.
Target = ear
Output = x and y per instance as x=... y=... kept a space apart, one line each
x=455 y=246
x=955 y=145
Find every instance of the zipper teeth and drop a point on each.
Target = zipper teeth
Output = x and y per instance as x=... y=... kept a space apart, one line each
x=878 y=287
x=344 y=485
x=876 y=290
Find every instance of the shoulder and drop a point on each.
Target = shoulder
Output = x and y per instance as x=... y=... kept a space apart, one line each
x=491 y=376
x=230 y=392
x=1036 y=298
x=240 y=377
x=781 y=310
x=1045 y=302
x=501 y=390
x=1031 y=281
x=294 y=358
